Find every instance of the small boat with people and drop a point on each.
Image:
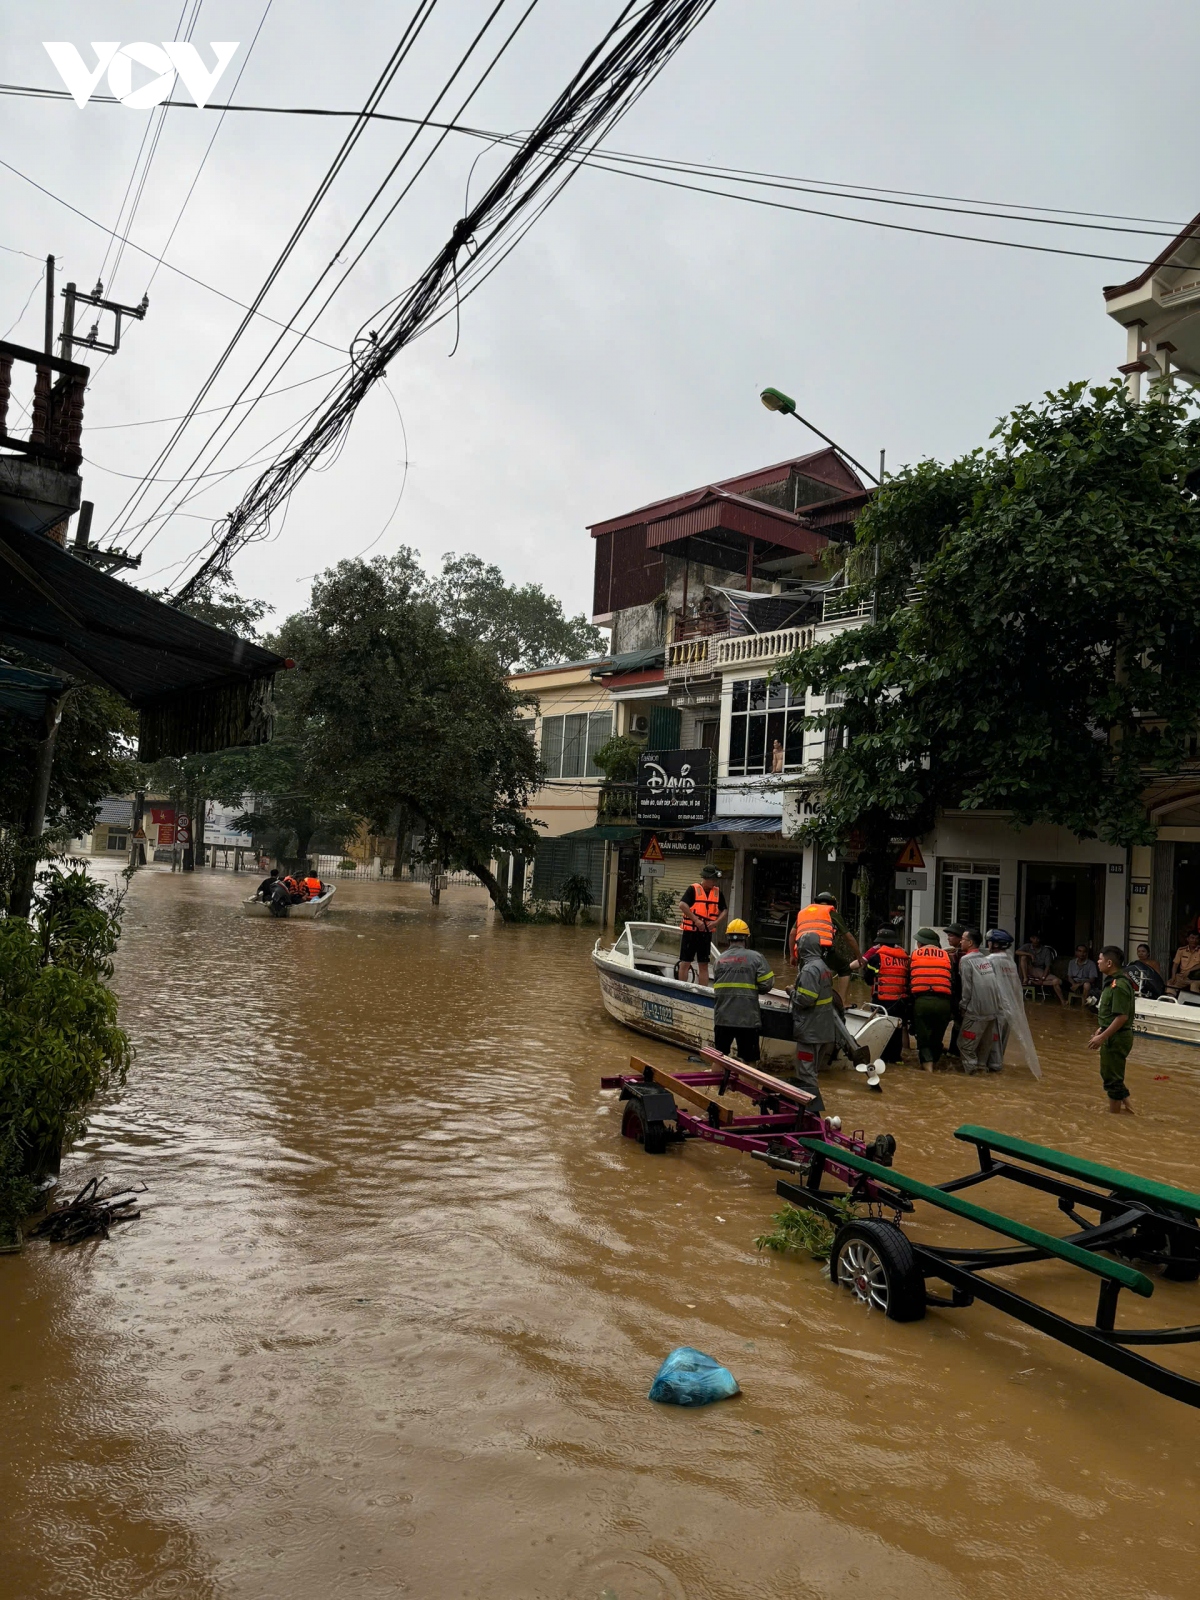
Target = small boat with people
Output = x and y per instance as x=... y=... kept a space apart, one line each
x=640 y=990
x=293 y=905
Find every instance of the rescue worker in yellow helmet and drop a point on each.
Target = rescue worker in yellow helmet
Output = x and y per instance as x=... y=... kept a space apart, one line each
x=741 y=975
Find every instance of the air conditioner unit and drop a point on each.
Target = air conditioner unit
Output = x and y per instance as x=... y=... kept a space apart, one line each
x=639 y=725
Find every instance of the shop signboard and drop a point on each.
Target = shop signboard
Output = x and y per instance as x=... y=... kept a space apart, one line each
x=674 y=788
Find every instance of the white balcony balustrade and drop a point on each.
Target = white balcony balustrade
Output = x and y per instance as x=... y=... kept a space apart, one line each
x=755 y=649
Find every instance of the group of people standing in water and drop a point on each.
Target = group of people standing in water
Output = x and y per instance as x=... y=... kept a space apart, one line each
x=969 y=988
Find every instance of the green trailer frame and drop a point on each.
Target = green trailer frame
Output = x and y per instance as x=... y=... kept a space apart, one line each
x=1138 y=1219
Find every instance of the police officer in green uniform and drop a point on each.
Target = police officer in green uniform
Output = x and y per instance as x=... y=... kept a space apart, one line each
x=1114 y=1035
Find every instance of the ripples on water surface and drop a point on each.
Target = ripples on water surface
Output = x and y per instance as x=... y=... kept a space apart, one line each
x=389 y=1324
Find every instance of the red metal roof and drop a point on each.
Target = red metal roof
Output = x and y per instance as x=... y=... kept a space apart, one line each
x=710 y=510
x=824 y=465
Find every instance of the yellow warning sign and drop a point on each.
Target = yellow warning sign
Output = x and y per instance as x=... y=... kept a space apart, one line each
x=653 y=851
x=910 y=858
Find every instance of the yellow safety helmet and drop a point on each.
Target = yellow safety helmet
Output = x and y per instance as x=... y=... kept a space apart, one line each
x=738 y=926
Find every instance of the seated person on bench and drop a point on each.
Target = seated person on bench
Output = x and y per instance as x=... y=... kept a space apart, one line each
x=1035 y=958
x=1185 y=968
x=1083 y=975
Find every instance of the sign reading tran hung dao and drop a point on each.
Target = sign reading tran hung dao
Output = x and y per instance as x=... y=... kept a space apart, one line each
x=674 y=787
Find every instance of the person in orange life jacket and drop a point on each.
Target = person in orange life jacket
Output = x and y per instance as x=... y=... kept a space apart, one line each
x=702 y=910
x=886 y=964
x=314 y=886
x=838 y=945
x=931 y=985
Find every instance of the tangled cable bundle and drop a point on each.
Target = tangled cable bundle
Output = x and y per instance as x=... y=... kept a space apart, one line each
x=632 y=53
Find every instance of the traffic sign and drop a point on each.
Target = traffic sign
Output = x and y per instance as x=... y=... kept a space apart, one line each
x=654 y=869
x=912 y=880
x=910 y=858
x=653 y=851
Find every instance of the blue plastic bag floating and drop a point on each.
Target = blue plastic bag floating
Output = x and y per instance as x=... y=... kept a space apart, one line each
x=690 y=1378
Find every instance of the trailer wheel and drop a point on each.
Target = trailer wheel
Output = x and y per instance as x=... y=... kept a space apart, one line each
x=651 y=1134
x=875 y=1262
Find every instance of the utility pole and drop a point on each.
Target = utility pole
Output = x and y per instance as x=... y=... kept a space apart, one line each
x=49 y=305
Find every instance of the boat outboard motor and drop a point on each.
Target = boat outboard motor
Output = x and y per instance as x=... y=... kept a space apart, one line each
x=281 y=900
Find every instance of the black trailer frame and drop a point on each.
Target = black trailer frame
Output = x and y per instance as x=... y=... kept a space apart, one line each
x=1138 y=1218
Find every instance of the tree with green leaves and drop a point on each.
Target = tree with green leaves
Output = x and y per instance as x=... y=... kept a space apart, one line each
x=1035 y=631
x=523 y=627
x=93 y=757
x=401 y=712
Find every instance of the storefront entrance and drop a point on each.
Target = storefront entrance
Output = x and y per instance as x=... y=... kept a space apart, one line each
x=776 y=895
x=1064 y=904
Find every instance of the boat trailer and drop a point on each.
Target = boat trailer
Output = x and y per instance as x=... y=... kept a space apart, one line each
x=783 y=1117
x=1129 y=1217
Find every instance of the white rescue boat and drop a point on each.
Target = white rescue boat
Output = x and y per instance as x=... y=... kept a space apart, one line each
x=306 y=910
x=640 y=990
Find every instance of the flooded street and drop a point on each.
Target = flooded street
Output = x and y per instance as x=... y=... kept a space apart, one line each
x=388 y=1321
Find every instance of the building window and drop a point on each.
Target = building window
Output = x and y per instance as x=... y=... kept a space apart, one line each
x=970 y=894
x=765 y=714
x=117 y=841
x=569 y=743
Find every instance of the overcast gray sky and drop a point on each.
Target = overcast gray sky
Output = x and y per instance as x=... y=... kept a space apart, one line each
x=618 y=355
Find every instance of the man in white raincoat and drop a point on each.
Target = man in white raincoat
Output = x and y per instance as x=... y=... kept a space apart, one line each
x=993 y=1008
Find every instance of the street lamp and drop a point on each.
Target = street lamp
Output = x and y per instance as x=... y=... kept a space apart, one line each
x=776 y=400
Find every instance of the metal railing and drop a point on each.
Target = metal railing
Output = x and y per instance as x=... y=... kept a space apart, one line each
x=837 y=607
x=753 y=648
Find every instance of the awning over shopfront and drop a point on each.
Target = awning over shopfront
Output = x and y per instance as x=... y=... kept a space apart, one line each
x=195 y=687
x=606 y=832
x=738 y=825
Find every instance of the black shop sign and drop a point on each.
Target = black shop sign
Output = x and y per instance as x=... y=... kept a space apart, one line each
x=674 y=787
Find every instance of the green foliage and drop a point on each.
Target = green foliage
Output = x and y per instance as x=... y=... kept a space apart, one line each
x=1036 y=627
x=347 y=865
x=798 y=1228
x=93 y=756
x=523 y=627
x=60 y=1046
x=575 y=894
x=617 y=758
x=396 y=712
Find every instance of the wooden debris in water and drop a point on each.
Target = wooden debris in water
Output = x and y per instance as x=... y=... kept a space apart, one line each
x=90 y=1213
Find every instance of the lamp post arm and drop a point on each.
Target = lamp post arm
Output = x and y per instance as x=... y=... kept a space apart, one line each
x=813 y=429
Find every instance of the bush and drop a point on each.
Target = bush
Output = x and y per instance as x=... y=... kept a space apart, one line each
x=575 y=894
x=346 y=865
x=60 y=1046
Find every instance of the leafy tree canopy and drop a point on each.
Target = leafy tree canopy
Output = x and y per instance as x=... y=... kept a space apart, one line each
x=404 y=713
x=523 y=627
x=93 y=756
x=1036 y=627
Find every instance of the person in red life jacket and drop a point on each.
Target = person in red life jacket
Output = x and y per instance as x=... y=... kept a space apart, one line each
x=931 y=986
x=886 y=965
x=702 y=910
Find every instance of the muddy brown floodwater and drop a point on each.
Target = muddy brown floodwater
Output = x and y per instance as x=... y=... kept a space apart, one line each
x=388 y=1325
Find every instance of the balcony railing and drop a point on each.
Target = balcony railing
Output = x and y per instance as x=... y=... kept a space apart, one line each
x=740 y=649
x=690 y=658
x=837 y=607
x=56 y=406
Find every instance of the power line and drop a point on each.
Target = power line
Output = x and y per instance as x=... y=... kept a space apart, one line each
x=408 y=38
x=858 y=190
x=150 y=422
x=632 y=53
x=141 y=250
x=345 y=244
